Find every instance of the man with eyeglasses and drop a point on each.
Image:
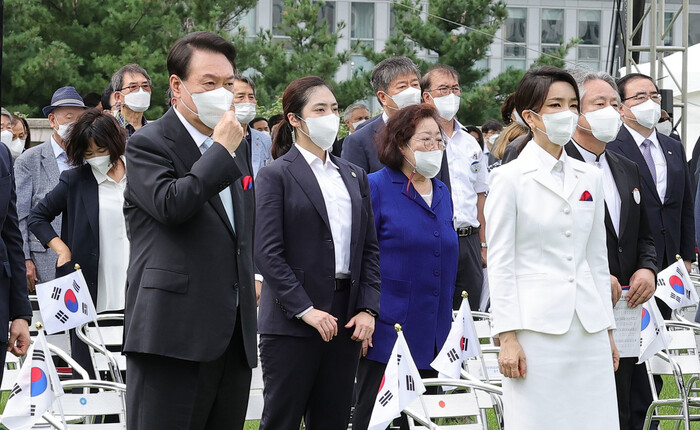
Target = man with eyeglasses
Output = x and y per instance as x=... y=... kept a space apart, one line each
x=132 y=96
x=666 y=190
x=468 y=177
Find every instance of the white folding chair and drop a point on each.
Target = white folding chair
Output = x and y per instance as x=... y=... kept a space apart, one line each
x=109 y=360
x=484 y=368
x=458 y=409
x=86 y=410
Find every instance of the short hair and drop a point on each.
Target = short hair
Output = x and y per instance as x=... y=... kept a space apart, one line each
x=247 y=80
x=27 y=132
x=583 y=75
x=275 y=119
x=399 y=130
x=260 y=118
x=181 y=53
x=388 y=69
x=474 y=129
x=92 y=99
x=491 y=125
x=106 y=95
x=427 y=80
x=352 y=108
x=102 y=128
x=117 y=81
x=622 y=82
x=534 y=86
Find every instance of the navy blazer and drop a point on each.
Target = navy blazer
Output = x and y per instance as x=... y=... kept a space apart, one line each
x=419 y=257
x=14 y=302
x=360 y=149
x=76 y=197
x=671 y=221
x=294 y=247
x=633 y=248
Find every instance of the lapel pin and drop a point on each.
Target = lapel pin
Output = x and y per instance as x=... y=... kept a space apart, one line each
x=670 y=153
x=635 y=194
x=353 y=174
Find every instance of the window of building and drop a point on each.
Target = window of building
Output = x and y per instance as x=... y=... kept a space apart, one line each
x=552 y=29
x=693 y=28
x=248 y=22
x=588 y=51
x=327 y=12
x=515 y=35
x=668 y=40
x=277 y=9
x=361 y=32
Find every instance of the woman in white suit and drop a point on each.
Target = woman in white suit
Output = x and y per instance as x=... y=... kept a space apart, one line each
x=548 y=271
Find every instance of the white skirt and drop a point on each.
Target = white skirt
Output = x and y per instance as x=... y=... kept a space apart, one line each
x=569 y=384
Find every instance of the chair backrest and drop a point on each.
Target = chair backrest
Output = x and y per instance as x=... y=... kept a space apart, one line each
x=111 y=331
x=99 y=398
x=682 y=349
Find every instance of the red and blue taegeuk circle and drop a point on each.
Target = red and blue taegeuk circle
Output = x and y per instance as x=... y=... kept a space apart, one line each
x=71 y=301
x=39 y=382
x=645 y=318
x=677 y=284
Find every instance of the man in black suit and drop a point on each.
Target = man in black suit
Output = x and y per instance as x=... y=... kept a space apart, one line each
x=190 y=328
x=631 y=252
x=14 y=303
x=666 y=190
x=396 y=82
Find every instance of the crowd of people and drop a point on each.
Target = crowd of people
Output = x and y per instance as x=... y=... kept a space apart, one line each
x=211 y=225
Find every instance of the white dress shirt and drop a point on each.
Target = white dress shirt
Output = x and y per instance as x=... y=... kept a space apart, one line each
x=612 y=194
x=61 y=156
x=657 y=154
x=338 y=207
x=114 y=245
x=468 y=175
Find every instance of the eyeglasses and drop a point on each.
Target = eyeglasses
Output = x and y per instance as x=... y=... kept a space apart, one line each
x=431 y=143
x=642 y=97
x=135 y=87
x=443 y=91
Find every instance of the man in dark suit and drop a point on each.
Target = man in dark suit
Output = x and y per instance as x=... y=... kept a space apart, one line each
x=190 y=328
x=354 y=116
x=667 y=193
x=396 y=82
x=14 y=303
x=631 y=252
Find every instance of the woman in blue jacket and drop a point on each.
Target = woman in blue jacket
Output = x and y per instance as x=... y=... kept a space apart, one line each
x=418 y=249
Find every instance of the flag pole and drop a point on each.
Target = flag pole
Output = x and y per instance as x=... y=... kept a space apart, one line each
x=481 y=354
x=40 y=326
x=397 y=327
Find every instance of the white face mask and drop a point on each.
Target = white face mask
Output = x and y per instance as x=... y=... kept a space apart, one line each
x=322 y=130
x=665 y=128
x=6 y=137
x=266 y=133
x=492 y=139
x=16 y=147
x=519 y=119
x=357 y=124
x=408 y=97
x=559 y=127
x=102 y=164
x=63 y=129
x=211 y=105
x=447 y=106
x=245 y=112
x=605 y=123
x=428 y=163
x=647 y=114
x=138 y=101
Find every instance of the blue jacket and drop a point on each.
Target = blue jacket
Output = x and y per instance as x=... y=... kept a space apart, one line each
x=418 y=251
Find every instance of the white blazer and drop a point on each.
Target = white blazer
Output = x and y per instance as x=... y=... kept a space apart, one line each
x=547 y=255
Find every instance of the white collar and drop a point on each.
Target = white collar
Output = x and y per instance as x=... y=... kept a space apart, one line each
x=546 y=160
x=312 y=158
x=57 y=150
x=100 y=177
x=385 y=117
x=639 y=139
x=588 y=156
x=196 y=135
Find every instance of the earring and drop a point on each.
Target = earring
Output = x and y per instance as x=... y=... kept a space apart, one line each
x=294 y=137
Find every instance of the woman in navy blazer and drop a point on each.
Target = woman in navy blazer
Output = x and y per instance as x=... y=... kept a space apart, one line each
x=96 y=144
x=418 y=249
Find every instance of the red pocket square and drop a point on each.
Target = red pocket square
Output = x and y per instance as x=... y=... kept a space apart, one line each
x=247 y=182
x=586 y=197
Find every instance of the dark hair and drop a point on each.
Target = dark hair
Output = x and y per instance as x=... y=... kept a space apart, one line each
x=399 y=130
x=275 y=119
x=507 y=109
x=260 y=118
x=92 y=99
x=534 y=86
x=102 y=128
x=622 y=83
x=475 y=129
x=492 y=125
x=117 y=81
x=27 y=132
x=181 y=52
x=294 y=99
x=106 y=95
x=427 y=79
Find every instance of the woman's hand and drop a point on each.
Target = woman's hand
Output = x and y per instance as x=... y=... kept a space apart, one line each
x=511 y=359
x=325 y=323
x=60 y=248
x=615 y=352
x=63 y=257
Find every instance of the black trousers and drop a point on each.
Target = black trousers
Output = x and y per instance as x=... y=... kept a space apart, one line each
x=166 y=393
x=3 y=354
x=307 y=377
x=369 y=377
x=470 y=274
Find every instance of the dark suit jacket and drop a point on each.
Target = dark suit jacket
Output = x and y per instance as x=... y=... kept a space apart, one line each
x=14 y=302
x=76 y=197
x=337 y=149
x=671 y=221
x=360 y=149
x=294 y=247
x=634 y=248
x=187 y=265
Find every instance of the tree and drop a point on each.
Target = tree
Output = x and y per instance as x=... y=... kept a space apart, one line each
x=52 y=44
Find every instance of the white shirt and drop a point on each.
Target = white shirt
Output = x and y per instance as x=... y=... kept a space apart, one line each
x=612 y=194
x=428 y=198
x=338 y=207
x=657 y=154
x=551 y=164
x=61 y=157
x=468 y=175
x=114 y=245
